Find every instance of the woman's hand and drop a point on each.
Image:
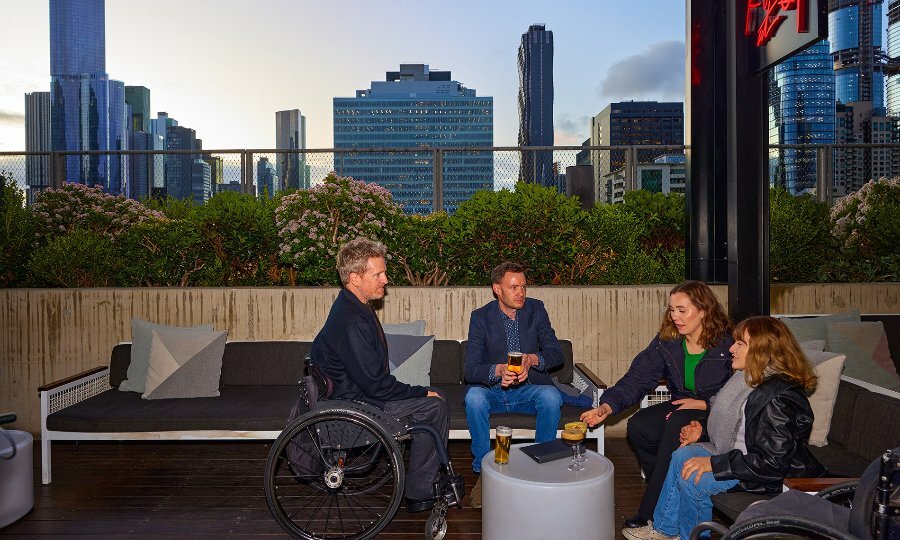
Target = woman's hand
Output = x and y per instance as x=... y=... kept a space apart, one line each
x=596 y=416
x=690 y=433
x=698 y=465
x=688 y=403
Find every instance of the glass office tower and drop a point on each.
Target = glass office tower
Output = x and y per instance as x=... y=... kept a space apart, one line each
x=417 y=108
x=892 y=92
x=290 y=134
x=536 y=104
x=801 y=111
x=87 y=111
x=854 y=33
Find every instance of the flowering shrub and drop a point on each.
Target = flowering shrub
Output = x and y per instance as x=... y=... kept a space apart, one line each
x=867 y=225
x=313 y=224
x=74 y=206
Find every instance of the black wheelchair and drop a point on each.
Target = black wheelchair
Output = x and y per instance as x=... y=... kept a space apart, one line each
x=336 y=471
x=873 y=502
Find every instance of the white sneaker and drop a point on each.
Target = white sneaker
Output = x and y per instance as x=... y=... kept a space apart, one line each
x=647 y=532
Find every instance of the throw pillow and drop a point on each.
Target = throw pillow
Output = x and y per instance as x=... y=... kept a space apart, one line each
x=412 y=328
x=810 y=328
x=140 y=351
x=184 y=365
x=410 y=358
x=813 y=345
x=827 y=367
x=866 y=347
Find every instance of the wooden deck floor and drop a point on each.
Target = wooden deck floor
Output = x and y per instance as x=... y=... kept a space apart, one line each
x=212 y=490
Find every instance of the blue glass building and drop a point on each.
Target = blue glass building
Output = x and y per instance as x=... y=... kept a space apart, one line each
x=536 y=104
x=87 y=110
x=892 y=91
x=854 y=33
x=801 y=111
x=417 y=108
x=266 y=178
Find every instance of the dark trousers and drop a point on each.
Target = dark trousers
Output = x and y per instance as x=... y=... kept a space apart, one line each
x=653 y=438
x=424 y=461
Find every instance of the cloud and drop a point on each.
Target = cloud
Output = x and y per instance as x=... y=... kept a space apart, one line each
x=8 y=117
x=655 y=73
x=570 y=131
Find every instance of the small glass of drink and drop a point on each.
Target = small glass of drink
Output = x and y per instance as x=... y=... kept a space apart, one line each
x=504 y=439
x=514 y=362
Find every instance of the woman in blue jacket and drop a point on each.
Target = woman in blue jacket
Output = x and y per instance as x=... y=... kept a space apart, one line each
x=691 y=353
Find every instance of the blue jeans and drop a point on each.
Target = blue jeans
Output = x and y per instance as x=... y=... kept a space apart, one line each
x=535 y=399
x=682 y=503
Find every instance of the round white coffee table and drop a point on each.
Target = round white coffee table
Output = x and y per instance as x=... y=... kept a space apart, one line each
x=524 y=499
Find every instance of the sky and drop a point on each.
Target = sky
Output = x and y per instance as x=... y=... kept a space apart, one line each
x=223 y=67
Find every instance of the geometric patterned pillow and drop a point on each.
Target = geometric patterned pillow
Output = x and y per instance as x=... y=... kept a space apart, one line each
x=866 y=347
x=140 y=351
x=184 y=364
x=409 y=358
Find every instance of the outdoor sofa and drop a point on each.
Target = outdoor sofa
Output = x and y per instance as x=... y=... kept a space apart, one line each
x=258 y=387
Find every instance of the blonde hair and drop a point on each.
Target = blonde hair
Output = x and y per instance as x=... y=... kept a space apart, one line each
x=715 y=322
x=355 y=254
x=772 y=349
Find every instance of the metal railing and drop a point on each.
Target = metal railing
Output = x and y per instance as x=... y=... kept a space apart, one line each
x=427 y=179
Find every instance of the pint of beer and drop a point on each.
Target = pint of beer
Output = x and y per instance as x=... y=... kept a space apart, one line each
x=504 y=439
x=514 y=362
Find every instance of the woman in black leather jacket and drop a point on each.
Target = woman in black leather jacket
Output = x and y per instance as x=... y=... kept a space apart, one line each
x=764 y=442
x=694 y=325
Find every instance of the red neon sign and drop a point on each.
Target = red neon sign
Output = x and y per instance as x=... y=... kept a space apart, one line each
x=772 y=17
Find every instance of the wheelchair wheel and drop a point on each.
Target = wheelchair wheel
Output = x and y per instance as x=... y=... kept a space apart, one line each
x=334 y=474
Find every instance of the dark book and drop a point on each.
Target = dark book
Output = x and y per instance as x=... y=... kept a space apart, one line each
x=548 y=451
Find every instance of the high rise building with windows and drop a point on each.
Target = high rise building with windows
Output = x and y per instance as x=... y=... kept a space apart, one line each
x=801 y=111
x=536 y=104
x=180 y=167
x=854 y=35
x=632 y=123
x=37 y=139
x=266 y=178
x=892 y=90
x=290 y=134
x=417 y=108
x=87 y=110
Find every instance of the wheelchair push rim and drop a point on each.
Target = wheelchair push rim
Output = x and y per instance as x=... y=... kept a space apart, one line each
x=334 y=474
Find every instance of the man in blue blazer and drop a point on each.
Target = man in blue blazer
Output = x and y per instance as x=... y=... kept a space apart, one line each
x=351 y=350
x=510 y=323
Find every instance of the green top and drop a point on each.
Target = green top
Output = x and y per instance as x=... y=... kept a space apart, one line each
x=690 y=365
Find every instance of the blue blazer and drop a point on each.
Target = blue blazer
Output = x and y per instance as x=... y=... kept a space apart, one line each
x=487 y=342
x=351 y=351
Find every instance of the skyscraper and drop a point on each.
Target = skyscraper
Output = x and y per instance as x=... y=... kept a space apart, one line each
x=290 y=134
x=417 y=108
x=86 y=111
x=893 y=51
x=37 y=139
x=180 y=167
x=632 y=123
x=138 y=97
x=801 y=111
x=536 y=104
x=854 y=33
x=266 y=179
x=140 y=167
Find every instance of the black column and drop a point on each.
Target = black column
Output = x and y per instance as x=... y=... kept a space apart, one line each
x=727 y=193
x=747 y=183
x=705 y=109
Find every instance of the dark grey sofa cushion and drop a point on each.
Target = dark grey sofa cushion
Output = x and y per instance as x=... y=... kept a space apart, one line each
x=259 y=408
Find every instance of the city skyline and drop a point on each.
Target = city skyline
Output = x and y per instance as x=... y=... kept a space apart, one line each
x=236 y=111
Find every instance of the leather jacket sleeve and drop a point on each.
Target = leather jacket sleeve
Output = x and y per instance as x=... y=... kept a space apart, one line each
x=778 y=422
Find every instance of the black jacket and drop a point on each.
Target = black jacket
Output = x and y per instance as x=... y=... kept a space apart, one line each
x=665 y=359
x=352 y=351
x=777 y=422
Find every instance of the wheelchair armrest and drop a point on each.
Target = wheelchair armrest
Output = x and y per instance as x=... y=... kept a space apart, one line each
x=7 y=418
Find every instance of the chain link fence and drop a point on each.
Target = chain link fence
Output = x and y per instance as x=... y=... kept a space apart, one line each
x=423 y=180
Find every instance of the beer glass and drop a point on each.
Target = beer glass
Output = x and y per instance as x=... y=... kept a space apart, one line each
x=514 y=362
x=504 y=439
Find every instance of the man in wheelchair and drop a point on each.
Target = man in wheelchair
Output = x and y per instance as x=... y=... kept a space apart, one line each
x=351 y=352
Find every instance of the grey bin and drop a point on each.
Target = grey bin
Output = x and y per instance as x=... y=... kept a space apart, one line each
x=16 y=477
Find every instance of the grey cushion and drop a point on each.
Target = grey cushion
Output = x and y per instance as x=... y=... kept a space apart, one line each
x=866 y=347
x=827 y=367
x=412 y=328
x=140 y=351
x=812 y=328
x=446 y=362
x=263 y=362
x=184 y=365
x=410 y=358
